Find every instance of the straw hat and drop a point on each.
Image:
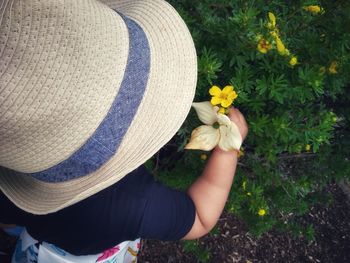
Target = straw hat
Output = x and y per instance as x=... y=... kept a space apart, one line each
x=89 y=90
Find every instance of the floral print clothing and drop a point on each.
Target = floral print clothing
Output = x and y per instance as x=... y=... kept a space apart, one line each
x=29 y=250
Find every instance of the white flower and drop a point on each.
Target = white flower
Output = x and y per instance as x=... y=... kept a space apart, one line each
x=219 y=130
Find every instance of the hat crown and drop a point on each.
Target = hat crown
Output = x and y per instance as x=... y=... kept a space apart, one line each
x=61 y=64
x=165 y=103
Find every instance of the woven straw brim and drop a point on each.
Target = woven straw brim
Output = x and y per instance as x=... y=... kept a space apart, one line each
x=166 y=103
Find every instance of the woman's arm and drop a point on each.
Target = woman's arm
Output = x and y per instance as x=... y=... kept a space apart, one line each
x=210 y=191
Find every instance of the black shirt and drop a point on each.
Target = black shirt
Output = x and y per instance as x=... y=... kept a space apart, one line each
x=136 y=206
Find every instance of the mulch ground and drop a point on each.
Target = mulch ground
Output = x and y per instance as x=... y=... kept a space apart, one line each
x=232 y=243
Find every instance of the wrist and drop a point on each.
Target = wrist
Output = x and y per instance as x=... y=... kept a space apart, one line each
x=232 y=153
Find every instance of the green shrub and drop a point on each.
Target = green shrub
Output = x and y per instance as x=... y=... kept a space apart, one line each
x=298 y=114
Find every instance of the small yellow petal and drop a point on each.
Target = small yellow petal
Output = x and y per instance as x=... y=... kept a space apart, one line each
x=226 y=103
x=261 y=49
x=312 y=9
x=272 y=19
x=227 y=90
x=215 y=100
x=232 y=96
x=280 y=47
x=215 y=91
x=222 y=110
x=261 y=212
x=293 y=61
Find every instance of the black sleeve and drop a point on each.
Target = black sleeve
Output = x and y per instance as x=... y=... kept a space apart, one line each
x=169 y=214
x=9 y=213
x=136 y=206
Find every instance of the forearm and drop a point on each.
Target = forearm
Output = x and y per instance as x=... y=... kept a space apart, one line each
x=210 y=191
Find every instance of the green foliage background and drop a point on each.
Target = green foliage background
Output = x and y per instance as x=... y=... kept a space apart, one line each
x=287 y=107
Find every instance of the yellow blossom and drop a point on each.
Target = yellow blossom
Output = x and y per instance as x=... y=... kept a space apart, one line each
x=224 y=97
x=272 y=23
x=261 y=212
x=293 y=61
x=264 y=46
x=308 y=147
x=314 y=9
x=333 y=67
x=280 y=47
x=249 y=194
x=203 y=156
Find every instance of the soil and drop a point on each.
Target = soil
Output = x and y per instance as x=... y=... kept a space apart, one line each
x=233 y=243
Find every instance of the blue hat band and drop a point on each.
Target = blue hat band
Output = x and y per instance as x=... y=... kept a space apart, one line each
x=104 y=143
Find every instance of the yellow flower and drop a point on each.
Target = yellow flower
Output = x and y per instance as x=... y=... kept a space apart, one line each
x=264 y=46
x=333 y=67
x=249 y=194
x=314 y=9
x=203 y=156
x=219 y=130
x=272 y=23
x=280 y=47
x=261 y=212
x=308 y=147
x=293 y=61
x=224 y=97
